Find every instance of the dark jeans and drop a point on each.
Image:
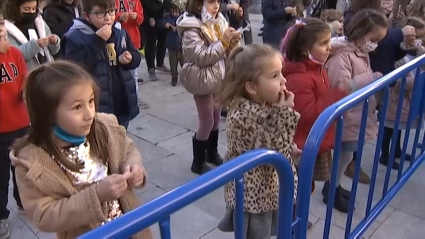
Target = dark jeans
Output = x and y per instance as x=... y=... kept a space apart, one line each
x=6 y=140
x=386 y=142
x=247 y=35
x=175 y=58
x=154 y=45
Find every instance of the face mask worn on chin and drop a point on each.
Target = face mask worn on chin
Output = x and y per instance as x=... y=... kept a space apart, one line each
x=28 y=17
x=312 y=59
x=370 y=46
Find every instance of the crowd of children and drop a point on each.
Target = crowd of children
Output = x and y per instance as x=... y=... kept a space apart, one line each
x=73 y=166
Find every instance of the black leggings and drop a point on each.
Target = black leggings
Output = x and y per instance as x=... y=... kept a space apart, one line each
x=154 y=43
x=386 y=143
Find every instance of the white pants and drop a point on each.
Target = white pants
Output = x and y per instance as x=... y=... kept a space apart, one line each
x=136 y=79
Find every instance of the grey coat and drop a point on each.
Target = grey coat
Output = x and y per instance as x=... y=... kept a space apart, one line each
x=30 y=48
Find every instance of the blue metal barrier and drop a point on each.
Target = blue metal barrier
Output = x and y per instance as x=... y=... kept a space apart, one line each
x=334 y=114
x=160 y=209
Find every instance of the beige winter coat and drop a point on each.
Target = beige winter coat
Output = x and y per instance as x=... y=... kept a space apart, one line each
x=52 y=202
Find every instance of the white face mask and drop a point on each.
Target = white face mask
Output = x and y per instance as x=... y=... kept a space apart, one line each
x=370 y=46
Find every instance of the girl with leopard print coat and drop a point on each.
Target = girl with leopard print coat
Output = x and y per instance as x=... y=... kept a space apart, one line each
x=260 y=115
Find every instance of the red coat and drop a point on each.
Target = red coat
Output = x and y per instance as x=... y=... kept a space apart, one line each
x=131 y=26
x=13 y=111
x=310 y=84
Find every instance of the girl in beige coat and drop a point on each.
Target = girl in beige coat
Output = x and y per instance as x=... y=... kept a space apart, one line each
x=206 y=40
x=76 y=169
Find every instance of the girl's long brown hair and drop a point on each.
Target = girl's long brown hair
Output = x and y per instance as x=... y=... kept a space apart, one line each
x=44 y=88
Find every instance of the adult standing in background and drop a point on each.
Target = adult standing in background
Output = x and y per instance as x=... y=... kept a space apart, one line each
x=279 y=15
x=155 y=37
x=60 y=15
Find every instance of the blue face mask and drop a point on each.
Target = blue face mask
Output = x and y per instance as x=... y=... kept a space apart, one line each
x=66 y=137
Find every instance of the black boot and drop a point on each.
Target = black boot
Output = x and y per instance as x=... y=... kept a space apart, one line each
x=340 y=203
x=345 y=193
x=385 y=148
x=212 y=153
x=198 y=165
x=174 y=81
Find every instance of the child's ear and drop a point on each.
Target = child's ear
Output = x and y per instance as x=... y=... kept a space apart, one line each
x=250 y=88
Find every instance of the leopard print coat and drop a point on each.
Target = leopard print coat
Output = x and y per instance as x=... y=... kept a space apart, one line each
x=251 y=126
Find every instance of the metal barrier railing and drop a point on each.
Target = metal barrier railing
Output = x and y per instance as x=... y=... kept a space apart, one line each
x=335 y=113
x=160 y=209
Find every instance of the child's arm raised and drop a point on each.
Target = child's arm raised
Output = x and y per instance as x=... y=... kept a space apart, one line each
x=133 y=162
x=53 y=47
x=340 y=72
x=198 y=52
x=135 y=55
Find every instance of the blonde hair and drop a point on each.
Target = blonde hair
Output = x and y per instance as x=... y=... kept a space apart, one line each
x=330 y=15
x=244 y=65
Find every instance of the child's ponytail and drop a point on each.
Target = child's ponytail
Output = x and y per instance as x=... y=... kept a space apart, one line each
x=283 y=45
x=230 y=77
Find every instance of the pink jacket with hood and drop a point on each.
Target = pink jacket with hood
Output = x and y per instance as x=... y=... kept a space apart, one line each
x=349 y=63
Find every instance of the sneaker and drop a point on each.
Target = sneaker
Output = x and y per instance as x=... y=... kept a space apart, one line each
x=140 y=80
x=163 y=68
x=4 y=229
x=142 y=104
x=152 y=75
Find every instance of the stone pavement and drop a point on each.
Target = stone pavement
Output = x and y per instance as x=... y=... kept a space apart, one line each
x=163 y=135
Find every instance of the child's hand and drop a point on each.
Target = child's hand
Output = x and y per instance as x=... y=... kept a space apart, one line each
x=286 y=98
x=104 y=32
x=173 y=28
x=237 y=36
x=135 y=175
x=228 y=34
x=233 y=6
x=43 y=42
x=53 y=39
x=376 y=75
x=152 y=22
x=167 y=25
x=294 y=12
x=408 y=31
x=239 y=13
x=125 y=58
x=111 y=187
x=124 y=17
x=133 y=15
x=296 y=153
x=289 y=10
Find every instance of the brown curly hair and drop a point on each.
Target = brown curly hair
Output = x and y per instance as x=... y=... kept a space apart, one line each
x=11 y=9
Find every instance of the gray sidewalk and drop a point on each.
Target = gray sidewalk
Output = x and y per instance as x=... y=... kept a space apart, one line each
x=163 y=135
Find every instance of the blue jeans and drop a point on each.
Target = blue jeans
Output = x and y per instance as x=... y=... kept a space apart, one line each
x=123 y=120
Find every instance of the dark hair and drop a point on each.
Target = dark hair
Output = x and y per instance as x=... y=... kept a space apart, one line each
x=45 y=86
x=301 y=37
x=357 y=5
x=193 y=7
x=11 y=9
x=415 y=22
x=330 y=15
x=364 y=22
x=252 y=58
x=88 y=5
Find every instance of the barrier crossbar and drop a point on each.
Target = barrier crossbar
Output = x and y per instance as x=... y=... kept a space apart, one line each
x=335 y=113
x=160 y=208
